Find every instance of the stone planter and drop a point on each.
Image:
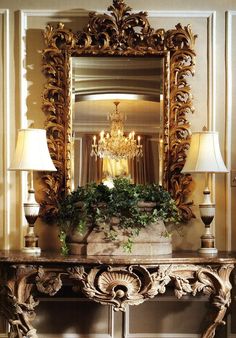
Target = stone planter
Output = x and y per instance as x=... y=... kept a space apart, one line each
x=146 y=206
x=77 y=242
x=151 y=240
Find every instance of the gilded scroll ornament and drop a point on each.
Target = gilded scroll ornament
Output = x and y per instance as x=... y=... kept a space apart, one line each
x=119 y=33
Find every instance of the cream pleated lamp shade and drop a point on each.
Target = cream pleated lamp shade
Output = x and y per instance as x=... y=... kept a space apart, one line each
x=32 y=151
x=204 y=154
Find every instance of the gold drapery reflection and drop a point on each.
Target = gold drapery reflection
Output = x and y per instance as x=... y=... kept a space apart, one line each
x=143 y=170
x=91 y=170
x=115 y=168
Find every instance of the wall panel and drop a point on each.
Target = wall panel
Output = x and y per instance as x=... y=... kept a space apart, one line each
x=231 y=118
x=3 y=328
x=79 y=318
x=4 y=128
x=166 y=317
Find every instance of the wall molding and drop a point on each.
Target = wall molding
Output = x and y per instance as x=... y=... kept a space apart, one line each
x=229 y=100
x=127 y=334
x=84 y=13
x=72 y=335
x=163 y=335
x=109 y=321
x=23 y=111
x=229 y=325
x=6 y=127
x=211 y=89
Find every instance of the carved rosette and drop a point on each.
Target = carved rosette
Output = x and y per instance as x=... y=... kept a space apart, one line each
x=118 y=33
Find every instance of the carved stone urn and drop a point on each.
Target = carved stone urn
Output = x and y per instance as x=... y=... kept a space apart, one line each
x=152 y=240
x=77 y=242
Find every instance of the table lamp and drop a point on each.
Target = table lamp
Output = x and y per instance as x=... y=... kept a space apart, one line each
x=31 y=154
x=204 y=156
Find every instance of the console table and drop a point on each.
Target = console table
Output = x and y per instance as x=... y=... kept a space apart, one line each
x=111 y=280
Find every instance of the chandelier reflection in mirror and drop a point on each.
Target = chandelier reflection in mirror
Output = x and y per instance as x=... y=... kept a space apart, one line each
x=115 y=144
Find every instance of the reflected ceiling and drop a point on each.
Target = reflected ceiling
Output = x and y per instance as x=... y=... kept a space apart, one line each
x=135 y=82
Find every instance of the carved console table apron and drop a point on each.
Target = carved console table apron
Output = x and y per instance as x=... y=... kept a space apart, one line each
x=116 y=281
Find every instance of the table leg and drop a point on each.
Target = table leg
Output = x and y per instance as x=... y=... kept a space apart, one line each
x=17 y=303
x=213 y=281
x=220 y=298
x=217 y=320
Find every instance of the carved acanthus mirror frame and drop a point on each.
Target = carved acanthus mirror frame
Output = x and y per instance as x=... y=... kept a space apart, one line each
x=120 y=33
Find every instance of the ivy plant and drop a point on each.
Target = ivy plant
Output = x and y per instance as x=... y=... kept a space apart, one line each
x=116 y=209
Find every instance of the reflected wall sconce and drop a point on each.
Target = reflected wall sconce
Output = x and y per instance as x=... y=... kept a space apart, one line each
x=204 y=156
x=31 y=154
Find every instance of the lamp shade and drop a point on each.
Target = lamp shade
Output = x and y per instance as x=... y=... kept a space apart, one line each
x=204 y=154
x=32 y=151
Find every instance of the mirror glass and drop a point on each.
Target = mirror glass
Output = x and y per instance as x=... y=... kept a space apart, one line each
x=133 y=88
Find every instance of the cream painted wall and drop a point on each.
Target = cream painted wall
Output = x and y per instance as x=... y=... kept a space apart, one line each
x=21 y=83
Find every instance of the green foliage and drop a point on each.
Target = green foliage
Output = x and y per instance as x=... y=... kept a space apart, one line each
x=98 y=206
x=64 y=247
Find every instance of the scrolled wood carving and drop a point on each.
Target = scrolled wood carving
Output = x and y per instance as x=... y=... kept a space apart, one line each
x=211 y=281
x=48 y=282
x=120 y=32
x=17 y=303
x=117 y=286
x=132 y=285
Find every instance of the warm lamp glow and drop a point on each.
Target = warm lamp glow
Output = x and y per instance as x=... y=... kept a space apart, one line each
x=31 y=154
x=32 y=151
x=204 y=154
x=204 y=157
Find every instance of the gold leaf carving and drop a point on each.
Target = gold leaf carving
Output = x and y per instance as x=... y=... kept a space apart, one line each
x=124 y=33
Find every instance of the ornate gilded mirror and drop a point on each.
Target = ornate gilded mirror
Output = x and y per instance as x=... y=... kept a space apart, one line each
x=119 y=39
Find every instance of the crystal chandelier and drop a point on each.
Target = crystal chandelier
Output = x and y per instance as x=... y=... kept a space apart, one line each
x=115 y=144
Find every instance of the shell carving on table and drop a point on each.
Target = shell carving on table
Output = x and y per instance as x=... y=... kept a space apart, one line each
x=110 y=281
